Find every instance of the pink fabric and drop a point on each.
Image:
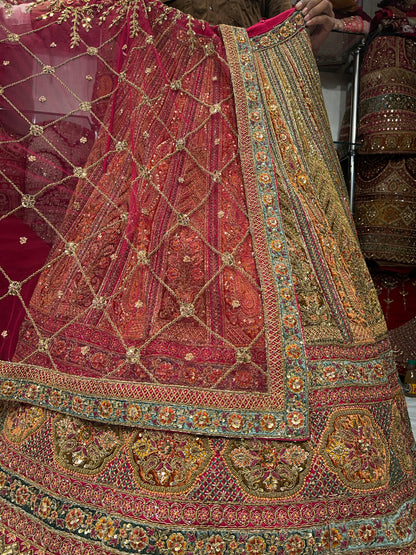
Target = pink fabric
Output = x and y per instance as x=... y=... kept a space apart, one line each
x=268 y=24
x=22 y=254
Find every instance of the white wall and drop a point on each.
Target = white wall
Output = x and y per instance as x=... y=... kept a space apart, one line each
x=335 y=85
x=335 y=88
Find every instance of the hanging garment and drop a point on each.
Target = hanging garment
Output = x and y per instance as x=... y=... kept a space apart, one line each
x=385 y=208
x=203 y=366
x=385 y=199
x=397 y=294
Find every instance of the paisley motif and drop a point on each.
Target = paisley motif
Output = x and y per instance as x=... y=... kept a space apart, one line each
x=82 y=446
x=168 y=462
x=268 y=469
x=22 y=420
x=356 y=450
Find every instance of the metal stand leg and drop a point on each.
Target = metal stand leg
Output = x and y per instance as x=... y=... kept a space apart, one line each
x=354 y=121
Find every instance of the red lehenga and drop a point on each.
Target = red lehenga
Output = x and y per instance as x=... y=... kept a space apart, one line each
x=203 y=366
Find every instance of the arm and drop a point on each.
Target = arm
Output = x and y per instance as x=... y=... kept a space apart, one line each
x=319 y=18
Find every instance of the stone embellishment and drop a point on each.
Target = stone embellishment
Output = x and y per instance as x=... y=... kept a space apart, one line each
x=85 y=106
x=28 y=201
x=228 y=259
x=216 y=177
x=121 y=145
x=183 y=219
x=243 y=356
x=14 y=287
x=180 y=144
x=70 y=248
x=175 y=85
x=43 y=345
x=80 y=172
x=99 y=303
x=133 y=355
x=187 y=310
x=36 y=130
x=142 y=257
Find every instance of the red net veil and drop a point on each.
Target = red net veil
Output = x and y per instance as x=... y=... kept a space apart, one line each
x=45 y=135
x=193 y=357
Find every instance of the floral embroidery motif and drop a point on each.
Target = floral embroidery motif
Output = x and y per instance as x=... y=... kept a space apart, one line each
x=356 y=450
x=9 y=548
x=22 y=420
x=86 y=523
x=268 y=469
x=405 y=524
x=295 y=545
x=177 y=544
x=331 y=539
x=82 y=446
x=166 y=462
x=256 y=545
x=342 y=372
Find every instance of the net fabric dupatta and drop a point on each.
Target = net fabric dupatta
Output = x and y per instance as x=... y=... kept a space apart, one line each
x=191 y=341
x=170 y=273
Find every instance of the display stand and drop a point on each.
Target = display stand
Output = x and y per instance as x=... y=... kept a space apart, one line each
x=340 y=54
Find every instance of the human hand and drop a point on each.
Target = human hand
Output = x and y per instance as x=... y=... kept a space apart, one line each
x=319 y=18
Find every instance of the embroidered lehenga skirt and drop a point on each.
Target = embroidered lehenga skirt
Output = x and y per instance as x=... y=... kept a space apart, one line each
x=194 y=356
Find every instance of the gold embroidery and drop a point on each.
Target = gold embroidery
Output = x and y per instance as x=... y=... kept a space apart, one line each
x=22 y=421
x=356 y=450
x=401 y=440
x=168 y=462
x=268 y=469
x=82 y=446
x=9 y=549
